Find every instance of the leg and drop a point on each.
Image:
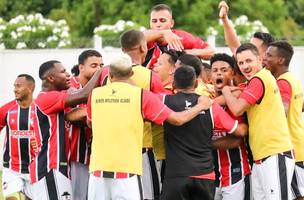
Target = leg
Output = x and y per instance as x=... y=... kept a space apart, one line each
x=175 y=188
x=234 y=191
x=98 y=188
x=126 y=188
x=79 y=179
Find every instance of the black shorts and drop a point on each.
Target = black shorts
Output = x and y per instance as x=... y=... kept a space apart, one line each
x=183 y=188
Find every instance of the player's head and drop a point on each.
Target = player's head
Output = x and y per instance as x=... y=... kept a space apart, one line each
x=165 y=66
x=161 y=17
x=185 y=78
x=248 y=60
x=261 y=40
x=206 y=73
x=278 y=55
x=89 y=62
x=24 y=87
x=121 y=67
x=134 y=41
x=53 y=74
x=190 y=60
x=221 y=70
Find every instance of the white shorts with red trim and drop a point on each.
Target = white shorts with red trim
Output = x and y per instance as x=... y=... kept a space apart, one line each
x=53 y=186
x=101 y=188
x=271 y=178
x=15 y=182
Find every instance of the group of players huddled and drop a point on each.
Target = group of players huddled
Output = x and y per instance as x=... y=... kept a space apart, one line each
x=158 y=123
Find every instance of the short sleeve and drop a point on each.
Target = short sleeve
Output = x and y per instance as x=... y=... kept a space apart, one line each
x=254 y=91
x=190 y=41
x=222 y=120
x=156 y=85
x=153 y=109
x=3 y=112
x=285 y=90
x=51 y=102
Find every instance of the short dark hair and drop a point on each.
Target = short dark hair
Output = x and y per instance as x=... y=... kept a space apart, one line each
x=45 y=67
x=87 y=53
x=206 y=66
x=223 y=57
x=193 y=61
x=248 y=46
x=160 y=7
x=173 y=55
x=265 y=37
x=184 y=77
x=130 y=39
x=75 y=70
x=27 y=77
x=285 y=50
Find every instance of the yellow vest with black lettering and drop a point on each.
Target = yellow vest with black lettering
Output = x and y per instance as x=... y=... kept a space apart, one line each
x=294 y=117
x=117 y=127
x=142 y=78
x=268 y=129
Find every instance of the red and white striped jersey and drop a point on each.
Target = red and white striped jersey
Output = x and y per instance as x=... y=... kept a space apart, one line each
x=230 y=165
x=19 y=141
x=51 y=135
x=80 y=136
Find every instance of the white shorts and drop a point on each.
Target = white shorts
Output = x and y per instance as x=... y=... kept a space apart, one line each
x=53 y=186
x=150 y=176
x=239 y=190
x=297 y=183
x=116 y=189
x=271 y=179
x=80 y=180
x=15 y=182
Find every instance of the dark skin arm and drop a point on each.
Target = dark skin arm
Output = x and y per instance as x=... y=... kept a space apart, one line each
x=77 y=116
x=80 y=96
x=227 y=142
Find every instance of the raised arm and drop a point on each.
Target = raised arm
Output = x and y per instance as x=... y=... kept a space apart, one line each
x=81 y=95
x=229 y=32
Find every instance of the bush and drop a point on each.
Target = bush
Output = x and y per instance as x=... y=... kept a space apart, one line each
x=244 y=28
x=34 y=32
x=110 y=33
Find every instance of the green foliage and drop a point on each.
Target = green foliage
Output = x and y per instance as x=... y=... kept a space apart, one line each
x=194 y=16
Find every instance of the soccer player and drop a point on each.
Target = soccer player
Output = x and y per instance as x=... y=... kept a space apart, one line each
x=204 y=87
x=189 y=172
x=231 y=165
x=19 y=144
x=116 y=159
x=162 y=36
x=260 y=39
x=268 y=129
x=89 y=62
x=134 y=44
x=50 y=168
x=277 y=59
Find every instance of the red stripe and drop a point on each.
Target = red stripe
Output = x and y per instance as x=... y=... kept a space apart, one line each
x=14 y=142
x=53 y=146
x=244 y=159
x=121 y=175
x=97 y=173
x=224 y=162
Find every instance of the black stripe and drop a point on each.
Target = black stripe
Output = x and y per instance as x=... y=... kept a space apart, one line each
x=283 y=176
x=6 y=155
x=51 y=186
x=63 y=165
x=236 y=167
x=295 y=186
x=247 y=187
x=24 y=142
x=82 y=144
x=162 y=170
x=140 y=188
x=148 y=56
x=105 y=81
x=44 y=126
x=108 y=174
x=154 y=174
x=216 y=168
